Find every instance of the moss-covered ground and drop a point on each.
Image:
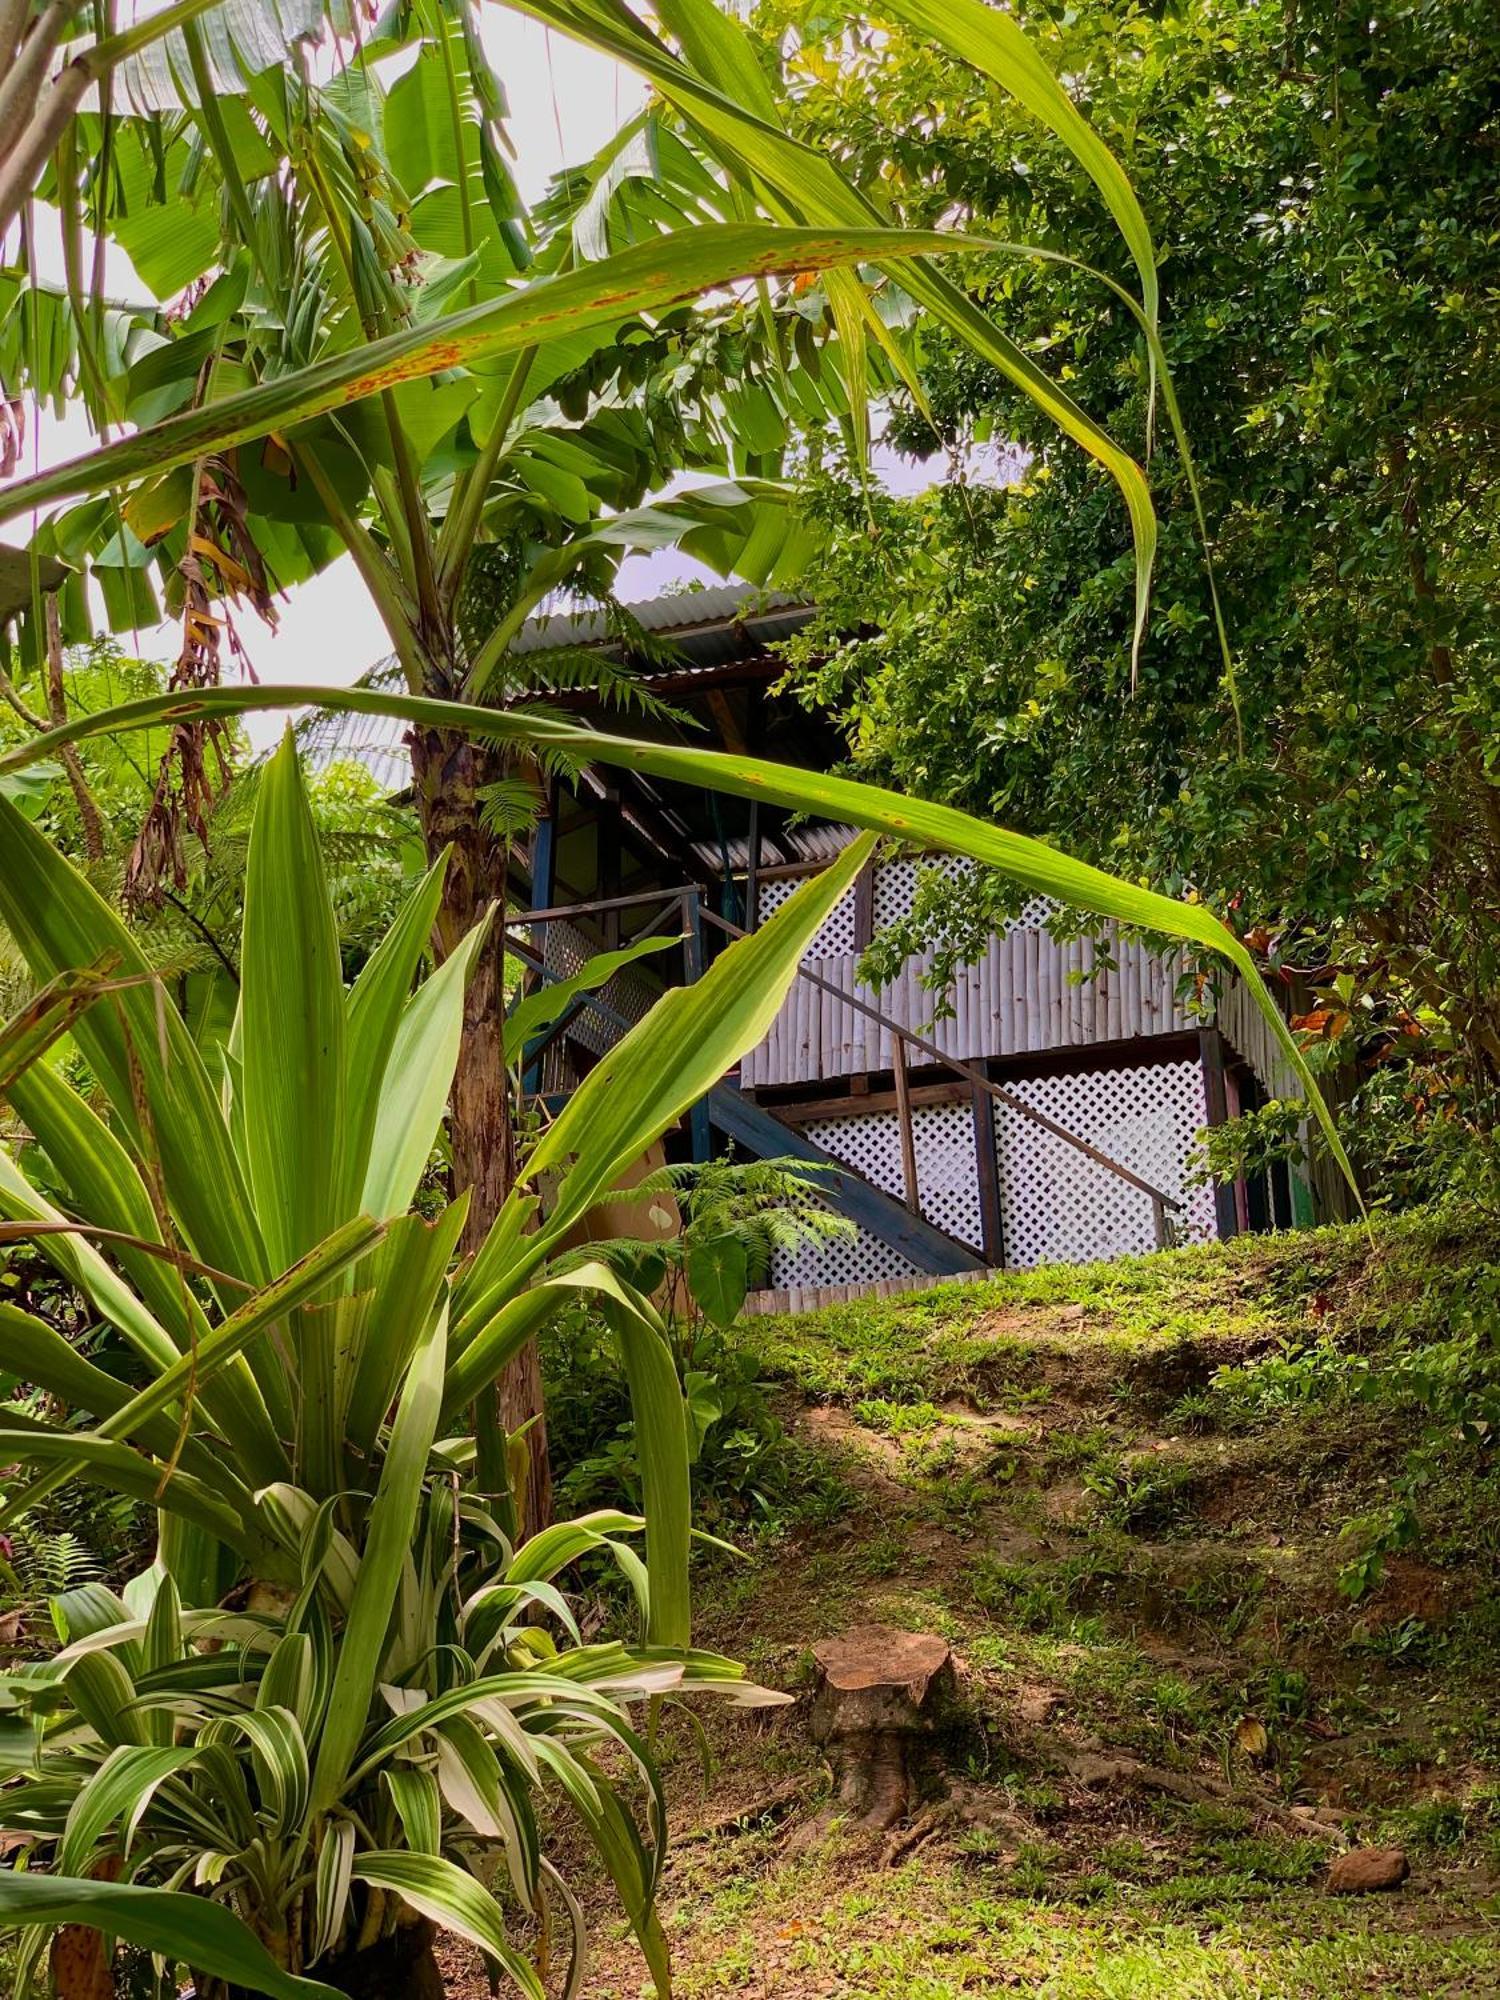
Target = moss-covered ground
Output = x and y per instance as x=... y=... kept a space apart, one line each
x=1123 y=1493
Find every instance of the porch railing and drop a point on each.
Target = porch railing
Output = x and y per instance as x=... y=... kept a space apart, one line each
x=689 y=905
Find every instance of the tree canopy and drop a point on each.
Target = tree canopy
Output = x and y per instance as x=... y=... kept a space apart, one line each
x=1325 y=184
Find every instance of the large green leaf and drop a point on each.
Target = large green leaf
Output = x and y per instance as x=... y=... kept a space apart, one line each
x=534 y=1013
x=802 y=185
x=36 y=1353
x=138 y=1046
x=403 y=1278
x=118 y=1469
x=670 y=1060
x=451 y=1897
x=120 y=1789
x=663 y=1458
x=292 y=1020
x=993 y=42
x=295 y=1287
x=189 y=1929
x=666 y=271
x=1034 y=863
x=376 y=1003
x=748 y=528
x=106 y=1186
x=388 y=1541
x=417 y=1080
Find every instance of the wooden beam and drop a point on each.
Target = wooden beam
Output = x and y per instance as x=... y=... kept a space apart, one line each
x=987 y=1166
x=907 y=1131
x=860 y=1102
x=864 y=907
x=752 y=871
x=1216 y=1097
x=729 y=728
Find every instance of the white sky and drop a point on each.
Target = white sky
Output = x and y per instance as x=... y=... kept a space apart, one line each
x=564 y=101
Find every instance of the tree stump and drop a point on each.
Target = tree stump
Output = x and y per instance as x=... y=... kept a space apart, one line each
x=880 y=1698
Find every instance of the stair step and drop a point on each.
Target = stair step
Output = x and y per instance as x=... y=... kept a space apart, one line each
x=930 y=1249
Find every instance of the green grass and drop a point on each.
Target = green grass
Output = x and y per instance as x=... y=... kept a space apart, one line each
x=1119 y=1492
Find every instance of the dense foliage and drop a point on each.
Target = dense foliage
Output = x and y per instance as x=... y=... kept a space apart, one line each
x=1325 y=181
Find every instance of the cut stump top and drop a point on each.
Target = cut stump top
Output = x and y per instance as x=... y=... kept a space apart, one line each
x=879 y=1656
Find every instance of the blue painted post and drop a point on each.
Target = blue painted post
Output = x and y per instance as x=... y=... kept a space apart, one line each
x=699 y=1124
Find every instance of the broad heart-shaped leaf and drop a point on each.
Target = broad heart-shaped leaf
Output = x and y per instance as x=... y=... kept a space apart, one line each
x=718 y=1275
x=60 y=924
x=292 y=1020
x=1034 y=863
x=668 y=270
x=188 y=1929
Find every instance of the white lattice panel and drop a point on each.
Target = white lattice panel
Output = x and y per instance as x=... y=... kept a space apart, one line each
x=947 y=1182
x=896 y=889
x=835 y=938
x=1058 y=1206
x=565 y=950
x=856 y=1260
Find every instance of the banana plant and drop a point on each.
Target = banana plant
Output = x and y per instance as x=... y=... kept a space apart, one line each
x=328 y=1704
x=378 y=338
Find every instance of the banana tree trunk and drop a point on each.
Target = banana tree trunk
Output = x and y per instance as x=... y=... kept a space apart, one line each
x=449 y=772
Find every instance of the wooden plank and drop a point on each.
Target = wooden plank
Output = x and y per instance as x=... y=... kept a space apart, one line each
x=1216 y=1097
x=862 y=1101
x=987 y=1167
x=864 y=907
x=907 y=1131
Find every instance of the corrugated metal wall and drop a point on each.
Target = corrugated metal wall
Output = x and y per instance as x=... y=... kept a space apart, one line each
x=1030 y=994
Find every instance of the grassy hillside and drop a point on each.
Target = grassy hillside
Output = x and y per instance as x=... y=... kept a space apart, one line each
x=1124 y=1493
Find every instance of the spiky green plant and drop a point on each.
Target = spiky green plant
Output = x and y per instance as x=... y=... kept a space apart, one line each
x=325 y=1709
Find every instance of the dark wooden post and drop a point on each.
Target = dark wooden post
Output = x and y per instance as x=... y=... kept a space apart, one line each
x=907 y=1129
x=692 y=923
x=543 y=870
x=987 y=1166
x=864 y=907
x=1216 y=1094
x=752 y=869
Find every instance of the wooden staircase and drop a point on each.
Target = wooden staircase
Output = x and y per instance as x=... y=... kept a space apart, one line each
x=759 y=1131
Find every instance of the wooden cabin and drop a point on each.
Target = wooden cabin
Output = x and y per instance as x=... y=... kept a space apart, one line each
x=1049 y=1117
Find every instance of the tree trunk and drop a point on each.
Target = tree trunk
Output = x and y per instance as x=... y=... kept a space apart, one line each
x=400 y=1966
x=449 y=771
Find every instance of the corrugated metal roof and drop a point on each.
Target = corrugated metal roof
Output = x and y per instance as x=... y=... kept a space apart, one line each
x=707 y=628
x=677 y=617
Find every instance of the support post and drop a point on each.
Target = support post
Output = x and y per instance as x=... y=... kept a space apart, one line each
x=543 y=869
x=1216 y=1096
x=907 y=1129
x=752 y=869
x=699 y=1127
x=987 y=1167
